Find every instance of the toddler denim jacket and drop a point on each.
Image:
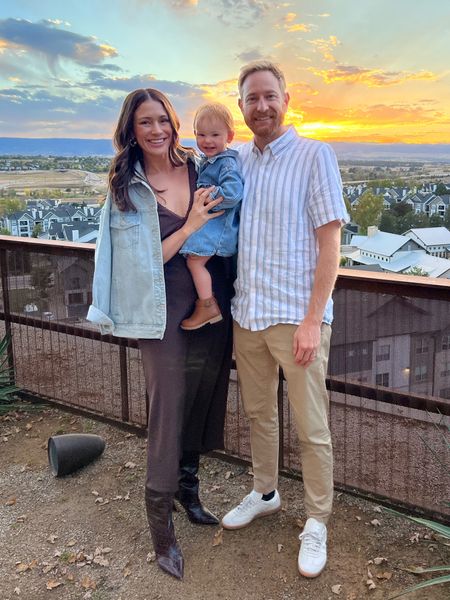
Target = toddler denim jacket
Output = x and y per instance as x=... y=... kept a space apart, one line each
x=219 y=236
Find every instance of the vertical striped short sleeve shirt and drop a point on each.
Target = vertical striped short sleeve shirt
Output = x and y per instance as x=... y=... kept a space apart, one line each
x=291 y=188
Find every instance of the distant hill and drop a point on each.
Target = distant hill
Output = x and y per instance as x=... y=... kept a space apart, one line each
x=55 y=147
x=392 y=152
x=104 y=147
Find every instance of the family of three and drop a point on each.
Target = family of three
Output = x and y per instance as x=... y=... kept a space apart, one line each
x=164 y=274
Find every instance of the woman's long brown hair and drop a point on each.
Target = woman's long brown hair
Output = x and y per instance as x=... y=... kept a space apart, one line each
x=128 y=152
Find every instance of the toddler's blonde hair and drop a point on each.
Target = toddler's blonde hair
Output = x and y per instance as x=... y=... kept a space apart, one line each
x=215 y=110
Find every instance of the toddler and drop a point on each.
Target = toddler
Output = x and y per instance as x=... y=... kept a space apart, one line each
x=219 y=167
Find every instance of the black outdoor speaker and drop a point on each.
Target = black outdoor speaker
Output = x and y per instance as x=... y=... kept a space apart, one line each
x=71 y=451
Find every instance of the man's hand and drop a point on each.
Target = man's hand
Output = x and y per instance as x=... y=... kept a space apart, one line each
x=306 y=342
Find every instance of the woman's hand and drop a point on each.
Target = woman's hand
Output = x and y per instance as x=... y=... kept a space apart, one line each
x=199 y=213
x=198 y=216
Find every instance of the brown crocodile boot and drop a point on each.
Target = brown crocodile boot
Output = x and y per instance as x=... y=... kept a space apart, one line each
x=206 y=312
x=159 y=514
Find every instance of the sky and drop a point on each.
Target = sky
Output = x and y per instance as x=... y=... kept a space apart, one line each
x=357 y=70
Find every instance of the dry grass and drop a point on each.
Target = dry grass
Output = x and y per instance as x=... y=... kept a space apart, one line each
x=71 y=178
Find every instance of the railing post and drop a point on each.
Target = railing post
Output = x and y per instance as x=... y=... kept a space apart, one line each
x=124 y=381
x=7 y=311
x=280 y=421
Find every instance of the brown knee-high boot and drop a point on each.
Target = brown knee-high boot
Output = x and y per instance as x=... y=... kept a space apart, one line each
x=159 y=514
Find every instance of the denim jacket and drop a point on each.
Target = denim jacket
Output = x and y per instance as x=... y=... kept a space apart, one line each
x=129 y=297
x=219 y=235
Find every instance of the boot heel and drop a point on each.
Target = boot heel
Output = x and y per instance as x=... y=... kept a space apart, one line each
x=188 y=492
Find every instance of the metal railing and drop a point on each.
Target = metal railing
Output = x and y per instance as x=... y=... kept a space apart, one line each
x=389 y=370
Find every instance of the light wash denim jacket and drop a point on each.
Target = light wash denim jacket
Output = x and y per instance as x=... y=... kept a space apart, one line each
x=219 y=236
x=129 y=297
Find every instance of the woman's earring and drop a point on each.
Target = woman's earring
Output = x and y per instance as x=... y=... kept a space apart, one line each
x=133 y=142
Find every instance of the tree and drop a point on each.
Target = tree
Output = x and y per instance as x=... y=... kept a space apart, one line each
x=410 y=220
x=368 y=211
x=388 y=222
x=446 y=221
x=11 y=205
x=348 y=206
x=37 y=229
x=380 y=183
x=435 y=221
x=401 y=209
x=4 y=231
x=441 y=189
x=417 y=271
x=421 y=220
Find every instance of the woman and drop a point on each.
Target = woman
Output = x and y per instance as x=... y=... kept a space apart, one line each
x=143 y=289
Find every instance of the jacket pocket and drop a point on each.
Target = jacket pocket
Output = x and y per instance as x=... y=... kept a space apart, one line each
x=125 y=229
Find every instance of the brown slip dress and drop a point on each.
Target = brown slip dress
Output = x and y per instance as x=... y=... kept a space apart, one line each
x=187 y=372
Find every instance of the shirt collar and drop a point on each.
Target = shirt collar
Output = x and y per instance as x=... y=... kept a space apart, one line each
x=279 y=145
x=212 y=159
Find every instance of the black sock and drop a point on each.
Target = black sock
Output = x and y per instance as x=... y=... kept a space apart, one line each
x=268 y=496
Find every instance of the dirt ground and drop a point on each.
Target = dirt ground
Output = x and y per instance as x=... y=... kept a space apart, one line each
x=85 y=536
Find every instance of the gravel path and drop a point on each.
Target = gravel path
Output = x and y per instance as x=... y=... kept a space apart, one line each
x=85 y=536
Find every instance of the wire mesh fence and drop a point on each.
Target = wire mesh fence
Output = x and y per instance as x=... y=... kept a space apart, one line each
x=389 y=370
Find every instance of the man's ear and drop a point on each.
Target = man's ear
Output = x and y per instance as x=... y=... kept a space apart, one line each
x=230 y=137
x=286 y=98
x=240 y=104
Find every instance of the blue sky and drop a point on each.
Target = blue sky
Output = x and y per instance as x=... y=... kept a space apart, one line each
x=357 y=70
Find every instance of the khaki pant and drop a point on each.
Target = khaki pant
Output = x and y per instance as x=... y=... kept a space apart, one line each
x=258 y=355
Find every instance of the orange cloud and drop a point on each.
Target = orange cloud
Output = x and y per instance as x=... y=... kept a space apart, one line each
x=414 y=122
x=301 y=89
x=375 y=123
x=288 y=24
x=380 y=114
x=298 y=27
x=221 y=89
x=8 y=45
x=84 y=52
x=184 y=3
x=324 y=47
x=370 y=77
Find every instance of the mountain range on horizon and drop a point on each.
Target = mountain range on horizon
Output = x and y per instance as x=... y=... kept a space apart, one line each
x=104 y=147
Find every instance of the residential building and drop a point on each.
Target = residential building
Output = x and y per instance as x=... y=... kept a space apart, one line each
x=434 y=240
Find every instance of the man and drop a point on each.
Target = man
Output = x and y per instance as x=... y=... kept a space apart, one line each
x=288 y=258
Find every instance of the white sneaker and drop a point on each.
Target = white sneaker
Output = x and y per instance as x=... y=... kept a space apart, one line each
x=312 y=557
x=251 y=507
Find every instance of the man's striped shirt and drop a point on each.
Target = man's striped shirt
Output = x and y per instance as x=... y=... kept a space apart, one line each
x=291 y=188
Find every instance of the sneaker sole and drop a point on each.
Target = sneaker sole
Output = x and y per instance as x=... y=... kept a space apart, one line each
x=311 y=575
x=266 y=514
x=210 y=322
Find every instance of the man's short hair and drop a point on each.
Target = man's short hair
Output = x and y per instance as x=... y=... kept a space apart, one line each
x=261 y=65
x=215 y=110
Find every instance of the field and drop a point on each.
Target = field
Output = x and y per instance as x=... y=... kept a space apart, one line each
x=64 y=179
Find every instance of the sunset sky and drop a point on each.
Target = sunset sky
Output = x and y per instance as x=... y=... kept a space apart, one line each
x=357 y=70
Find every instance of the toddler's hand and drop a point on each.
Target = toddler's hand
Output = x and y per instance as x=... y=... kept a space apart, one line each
x=210 y=198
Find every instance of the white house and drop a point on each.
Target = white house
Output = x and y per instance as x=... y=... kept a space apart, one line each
x=394 y=253
x=434 y=240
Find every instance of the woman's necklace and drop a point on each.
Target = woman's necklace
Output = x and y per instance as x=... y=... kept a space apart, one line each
x=158 y=193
